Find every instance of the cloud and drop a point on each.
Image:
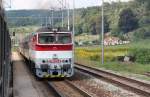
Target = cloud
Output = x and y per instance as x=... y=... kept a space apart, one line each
x=47 y=4
x=35 y=4
x=23 y=4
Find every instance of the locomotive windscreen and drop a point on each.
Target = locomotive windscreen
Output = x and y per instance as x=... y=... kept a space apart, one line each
x=50 y=38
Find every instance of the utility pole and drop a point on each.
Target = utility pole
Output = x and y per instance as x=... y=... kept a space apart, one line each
x=46 y=20
x=40 y=20
x=102 y=33
x=52 y=18
x=68 y=17
x=62 y=13
x=50 y=22
x=62 y=18
x=73 y=30
x=73 y=16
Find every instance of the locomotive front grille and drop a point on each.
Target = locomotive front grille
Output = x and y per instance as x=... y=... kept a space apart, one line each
x=66 y=67
x=44 y=66
x=54 y=73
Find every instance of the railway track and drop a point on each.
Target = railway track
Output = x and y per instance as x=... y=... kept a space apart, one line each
x=127 y=83
x=67 y=89
x=57 y=93
x=147 y=74
x=56 y=87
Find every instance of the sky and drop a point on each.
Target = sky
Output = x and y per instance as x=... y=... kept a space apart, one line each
x=47 y=4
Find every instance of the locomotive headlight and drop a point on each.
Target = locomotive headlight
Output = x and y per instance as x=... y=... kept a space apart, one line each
x=43 y=61
x=66 y=61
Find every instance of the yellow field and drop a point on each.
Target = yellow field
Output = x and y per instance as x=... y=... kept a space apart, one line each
x=95 y=54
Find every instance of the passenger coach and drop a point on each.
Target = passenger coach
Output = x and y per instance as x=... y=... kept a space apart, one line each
x=50 y=52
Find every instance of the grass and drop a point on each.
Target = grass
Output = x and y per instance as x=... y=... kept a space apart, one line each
x=122 y=68
x=119 y=66
x=91 y=56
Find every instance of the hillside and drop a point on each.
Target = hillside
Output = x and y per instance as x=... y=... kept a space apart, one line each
x=30 y=17
x=130 y=20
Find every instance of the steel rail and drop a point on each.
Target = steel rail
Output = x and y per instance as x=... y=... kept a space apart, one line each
x=57 y=93
x=125 y=82
x=84 y=93
x=147 y=74
x=70 y=84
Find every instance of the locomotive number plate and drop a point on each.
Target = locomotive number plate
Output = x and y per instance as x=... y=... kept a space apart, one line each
x=55 y=61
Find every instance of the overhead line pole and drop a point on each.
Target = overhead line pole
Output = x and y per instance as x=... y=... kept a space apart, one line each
x=46 y=21
x=68 y=17
x=73 y=30
x=102 y=32
x=50 y=22
x=52 y=19
x=73 y=16
x=62 y=13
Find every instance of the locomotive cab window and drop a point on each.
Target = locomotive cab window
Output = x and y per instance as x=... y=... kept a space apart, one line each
x=46 y=38
x=64 y=38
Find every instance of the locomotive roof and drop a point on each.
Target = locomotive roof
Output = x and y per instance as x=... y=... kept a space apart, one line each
x=48 y=29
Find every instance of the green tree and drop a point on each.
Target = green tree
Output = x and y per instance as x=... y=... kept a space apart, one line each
x=145 y=3
x=106 y=25
x=144 y=21
x=142 y=33
x=85 y=28
x=127 y=21
x=78 y=29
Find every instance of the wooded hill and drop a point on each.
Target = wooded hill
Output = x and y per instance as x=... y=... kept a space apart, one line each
x=127 y=20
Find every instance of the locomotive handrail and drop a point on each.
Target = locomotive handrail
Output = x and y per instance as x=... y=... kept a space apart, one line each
x=0 y=81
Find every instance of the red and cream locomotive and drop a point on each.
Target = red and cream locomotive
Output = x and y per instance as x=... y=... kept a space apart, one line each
x=50 y=52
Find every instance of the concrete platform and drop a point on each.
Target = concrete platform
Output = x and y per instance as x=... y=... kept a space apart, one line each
x=22 y=83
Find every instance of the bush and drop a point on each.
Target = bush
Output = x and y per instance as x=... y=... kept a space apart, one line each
x=144 y=21
x=95 y=57
x=141 y=55
x=142 y=33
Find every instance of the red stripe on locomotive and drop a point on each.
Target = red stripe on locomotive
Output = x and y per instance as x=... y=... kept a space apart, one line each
x=52 y=47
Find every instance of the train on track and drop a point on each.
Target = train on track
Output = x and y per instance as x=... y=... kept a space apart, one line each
x=49 y=52
x=5 y=56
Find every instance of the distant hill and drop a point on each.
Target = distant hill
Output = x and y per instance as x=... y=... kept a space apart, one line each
x=31 y=17
x=122 y=19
